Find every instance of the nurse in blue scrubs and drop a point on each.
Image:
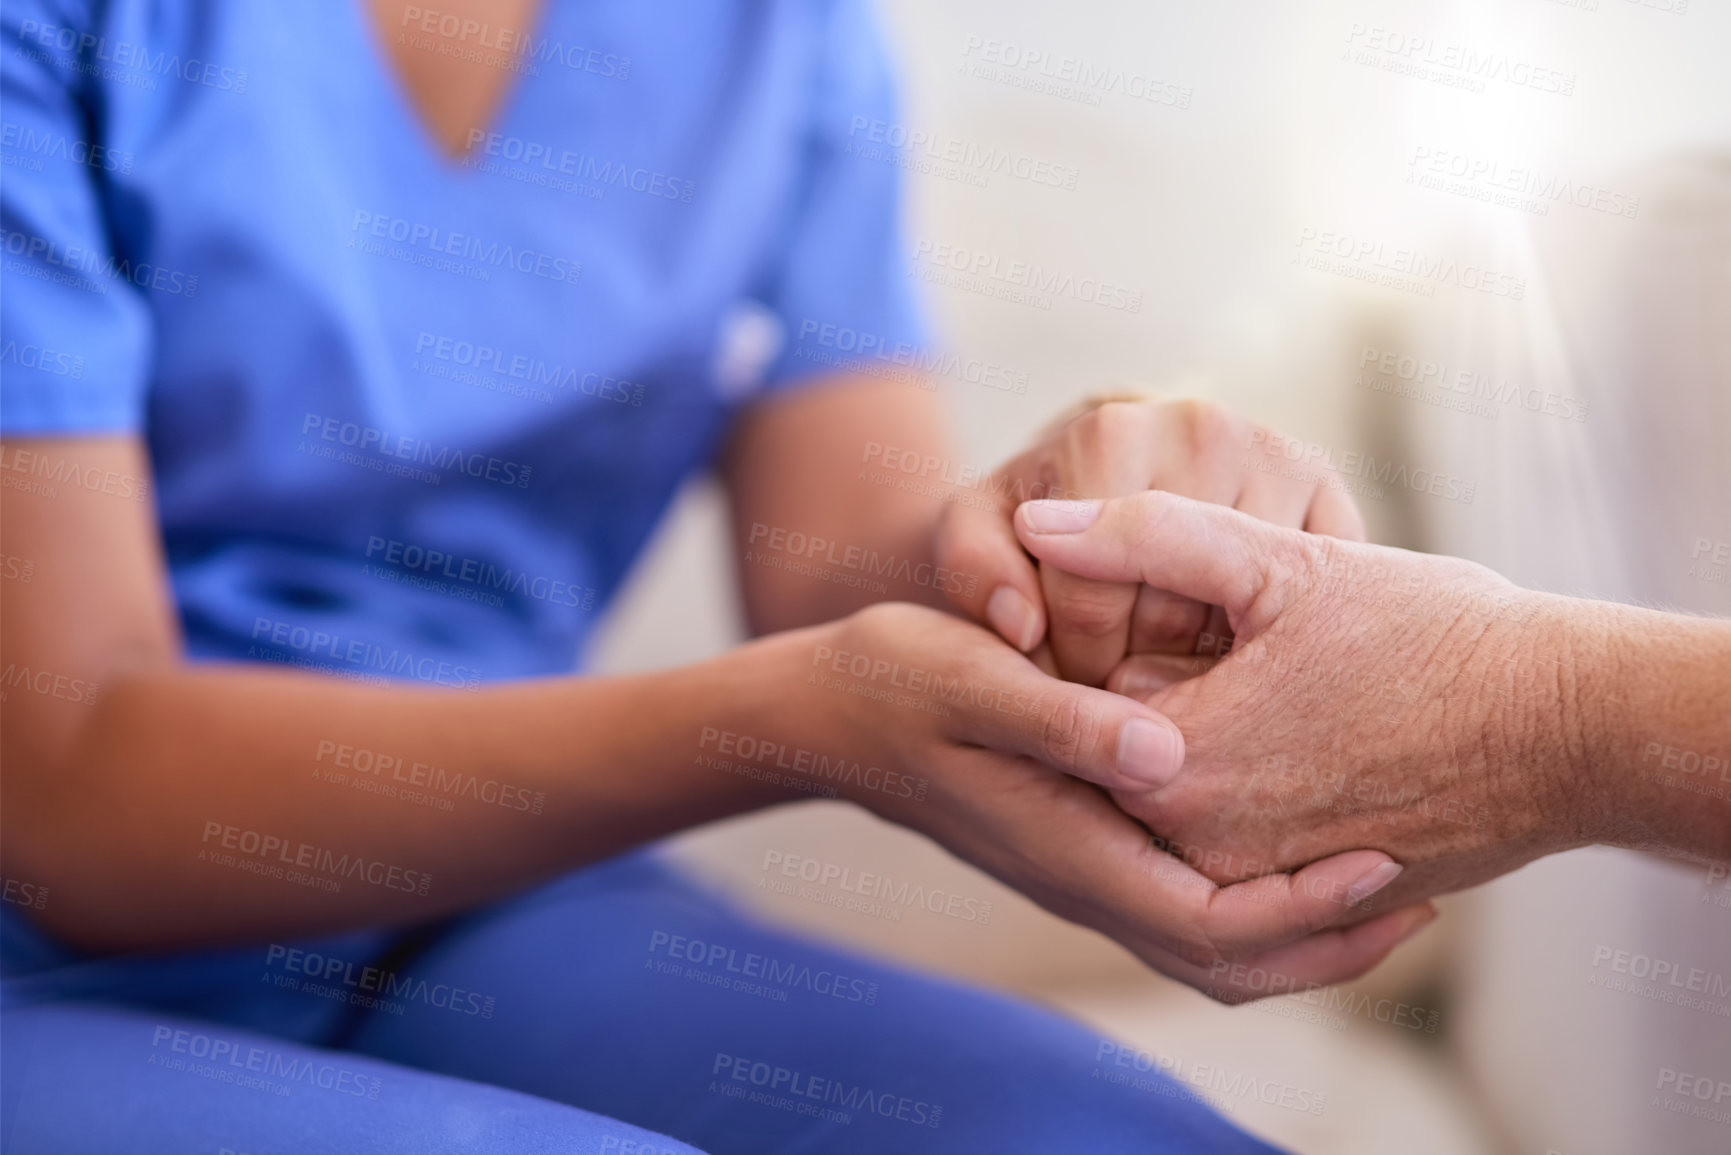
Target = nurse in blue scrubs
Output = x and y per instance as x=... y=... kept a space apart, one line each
x=350 y=353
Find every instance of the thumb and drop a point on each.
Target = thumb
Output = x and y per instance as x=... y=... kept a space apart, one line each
x=1192 y=548
x=1006 y=595
x=1001 y=702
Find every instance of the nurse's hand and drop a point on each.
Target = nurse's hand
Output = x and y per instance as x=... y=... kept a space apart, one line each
x=963 y=739
x=1194 y=448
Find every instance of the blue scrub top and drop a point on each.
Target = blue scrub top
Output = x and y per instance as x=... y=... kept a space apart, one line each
x=410 y=417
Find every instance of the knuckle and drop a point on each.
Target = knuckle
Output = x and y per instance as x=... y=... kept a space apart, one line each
x=964 y=549
x=1206 y=425
x=882 y=620
x=1122 y=415
x=1296 y=569
x=1091 y=612
x=1160 y=620
x=1302 y=558
x=1116 y=426
x=1067 y=730
x=1198 y=951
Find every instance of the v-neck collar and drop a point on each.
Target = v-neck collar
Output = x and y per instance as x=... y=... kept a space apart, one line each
x=386 y=77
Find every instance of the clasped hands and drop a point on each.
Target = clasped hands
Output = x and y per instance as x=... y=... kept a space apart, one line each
x=1270 y=744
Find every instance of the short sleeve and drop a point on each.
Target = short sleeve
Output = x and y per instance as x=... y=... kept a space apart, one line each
x=843 y=294
x=75 y=334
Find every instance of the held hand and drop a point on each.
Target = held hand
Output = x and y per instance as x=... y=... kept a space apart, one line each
x=1195 y=448
x=1373 y=697
x=1011 y=768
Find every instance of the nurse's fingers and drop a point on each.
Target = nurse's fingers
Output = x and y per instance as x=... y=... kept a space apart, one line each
x=1118 y=448
x=1317 y=960
x=1182 y=912
x=1166 y=623
x=1334 y=513
x=1141 y=676
x=1069 y=847
x=1006 y=595
x=1090 y=623
x=1100 y=737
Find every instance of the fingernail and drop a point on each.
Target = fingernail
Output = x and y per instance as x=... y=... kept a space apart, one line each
x=1137 y=682
x=1013 y=618
x=1150 y=752
x=1058 y=516
x=1374 y=880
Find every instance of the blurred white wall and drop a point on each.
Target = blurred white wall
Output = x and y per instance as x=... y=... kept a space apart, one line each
x=1570 y=153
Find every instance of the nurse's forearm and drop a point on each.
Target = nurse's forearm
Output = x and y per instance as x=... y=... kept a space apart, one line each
x=836 y=492
x=233 y=803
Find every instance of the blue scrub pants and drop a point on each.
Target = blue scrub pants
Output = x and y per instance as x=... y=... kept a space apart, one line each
x=621 y=1009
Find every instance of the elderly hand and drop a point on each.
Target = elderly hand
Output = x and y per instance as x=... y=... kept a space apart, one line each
x=1194 y=448
x=1372 y=697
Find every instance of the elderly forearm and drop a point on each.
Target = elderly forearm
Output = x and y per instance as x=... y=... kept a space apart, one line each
x=1653 y=715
